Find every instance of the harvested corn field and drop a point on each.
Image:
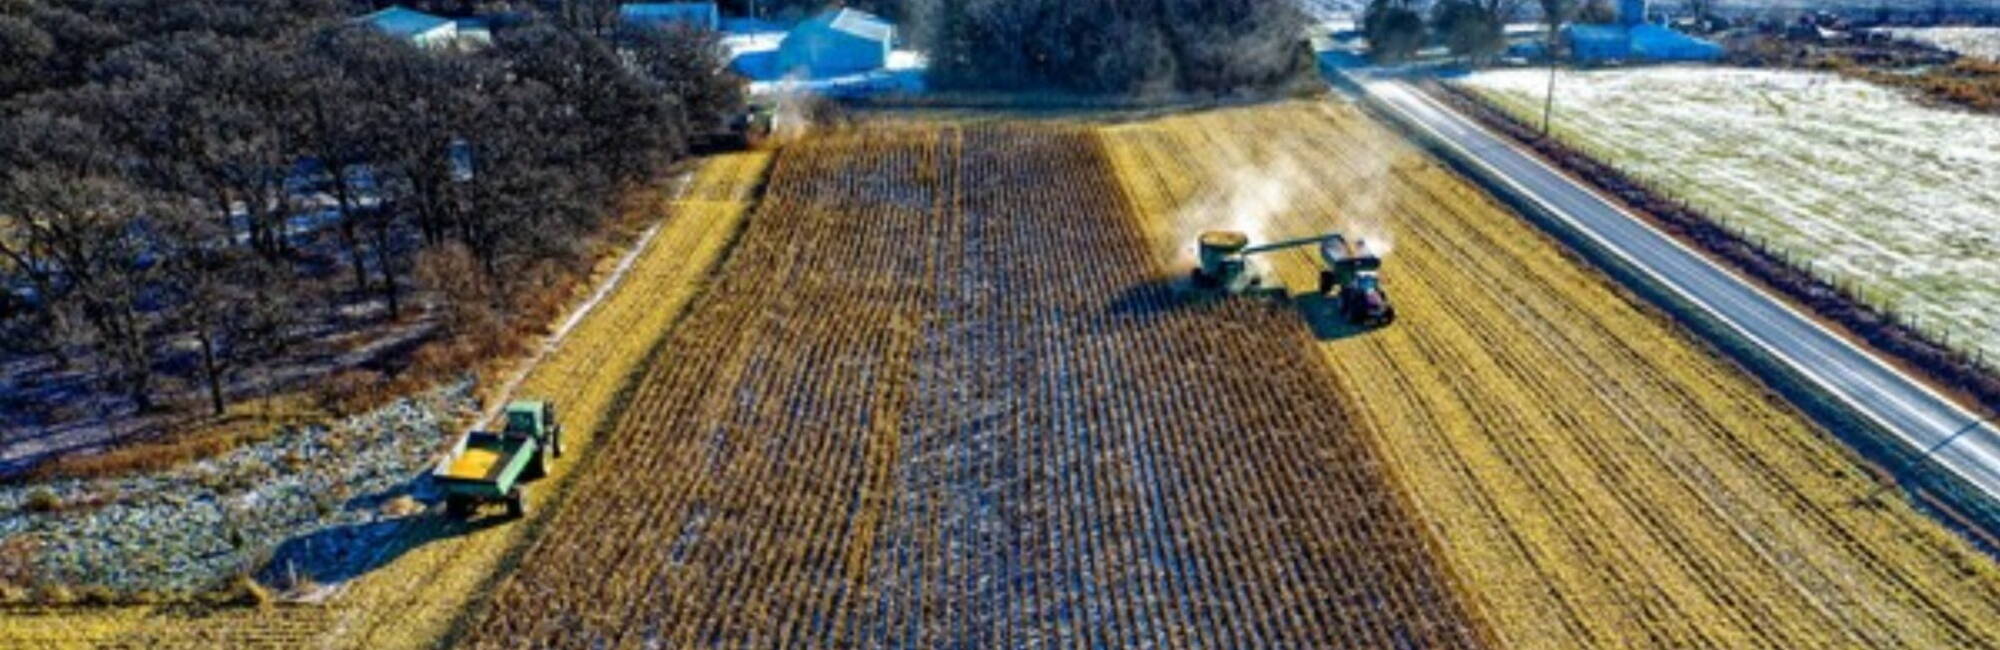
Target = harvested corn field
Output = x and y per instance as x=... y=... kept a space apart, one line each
x=1596 y=480
x=940 y=398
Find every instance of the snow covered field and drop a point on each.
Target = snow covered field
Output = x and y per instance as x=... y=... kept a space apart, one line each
x=1901 y=199
x=1982 y=42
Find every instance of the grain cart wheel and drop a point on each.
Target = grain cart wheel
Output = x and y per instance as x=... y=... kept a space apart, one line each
x=457 y=506
x=517 y=502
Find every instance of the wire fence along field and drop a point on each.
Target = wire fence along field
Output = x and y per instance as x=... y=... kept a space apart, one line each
x=1598 y=479
x=942 y=398
x=1982 y=42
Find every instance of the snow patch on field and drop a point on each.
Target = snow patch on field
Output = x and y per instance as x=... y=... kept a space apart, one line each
x=1982 y=42
x=1861 y=180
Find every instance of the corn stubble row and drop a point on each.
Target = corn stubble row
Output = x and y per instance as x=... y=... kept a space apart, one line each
x=1597 y=480
x=941 y=398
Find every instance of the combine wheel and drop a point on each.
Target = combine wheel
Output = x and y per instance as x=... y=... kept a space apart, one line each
x=517 y=502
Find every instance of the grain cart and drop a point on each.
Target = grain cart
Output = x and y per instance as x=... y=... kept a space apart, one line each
x=1352 y=274
x=493 y=466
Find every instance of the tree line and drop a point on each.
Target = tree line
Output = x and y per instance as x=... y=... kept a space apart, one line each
x=1074 y=46
x=1112 y=46
x=1101 y=47
x=1472 y=29
x=262 y=166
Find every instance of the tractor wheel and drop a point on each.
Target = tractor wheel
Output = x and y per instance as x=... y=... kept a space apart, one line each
x=517 y=502
x=457 y=506
x=555 y=441
x=538 y=466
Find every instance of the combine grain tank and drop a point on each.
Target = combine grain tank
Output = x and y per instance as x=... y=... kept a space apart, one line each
x=1356 y=273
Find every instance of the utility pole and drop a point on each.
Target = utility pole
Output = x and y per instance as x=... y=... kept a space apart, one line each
x=1928 y=453
x=1549 y=100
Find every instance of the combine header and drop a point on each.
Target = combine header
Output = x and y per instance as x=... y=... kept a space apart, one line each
x=1352 y=274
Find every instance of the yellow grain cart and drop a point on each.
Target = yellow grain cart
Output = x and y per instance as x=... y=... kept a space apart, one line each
x=493 y=466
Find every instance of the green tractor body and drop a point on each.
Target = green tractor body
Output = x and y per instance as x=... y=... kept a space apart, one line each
x=494 y=466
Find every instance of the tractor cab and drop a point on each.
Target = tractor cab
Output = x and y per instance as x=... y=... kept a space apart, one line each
x=534 y=419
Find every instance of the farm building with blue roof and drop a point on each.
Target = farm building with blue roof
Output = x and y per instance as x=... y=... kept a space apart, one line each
x=1632 y=39
x=700 y=15
x=837 y=42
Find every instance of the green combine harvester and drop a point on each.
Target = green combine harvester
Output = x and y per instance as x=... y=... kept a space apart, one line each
x=1352 y=274
x=492 y=467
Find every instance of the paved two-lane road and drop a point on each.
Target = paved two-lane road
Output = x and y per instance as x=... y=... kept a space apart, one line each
x=1899 y=403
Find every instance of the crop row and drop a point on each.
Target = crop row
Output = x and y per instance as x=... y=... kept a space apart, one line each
x=949 y=400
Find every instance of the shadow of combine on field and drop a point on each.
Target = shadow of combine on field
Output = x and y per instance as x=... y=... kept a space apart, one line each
x=1145 y=301
x=1322 y=315
x=341 y=553
x=1156 y=297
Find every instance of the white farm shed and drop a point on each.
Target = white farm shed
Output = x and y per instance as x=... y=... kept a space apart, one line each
x=837 y=42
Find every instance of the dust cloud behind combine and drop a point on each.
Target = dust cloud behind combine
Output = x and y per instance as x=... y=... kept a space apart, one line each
x=791 y=109
x=1257 y=190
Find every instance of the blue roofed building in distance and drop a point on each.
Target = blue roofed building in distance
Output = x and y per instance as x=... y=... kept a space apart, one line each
x=837 y=42
x=416 y=27
x=699 y=15
x=1634 y=39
